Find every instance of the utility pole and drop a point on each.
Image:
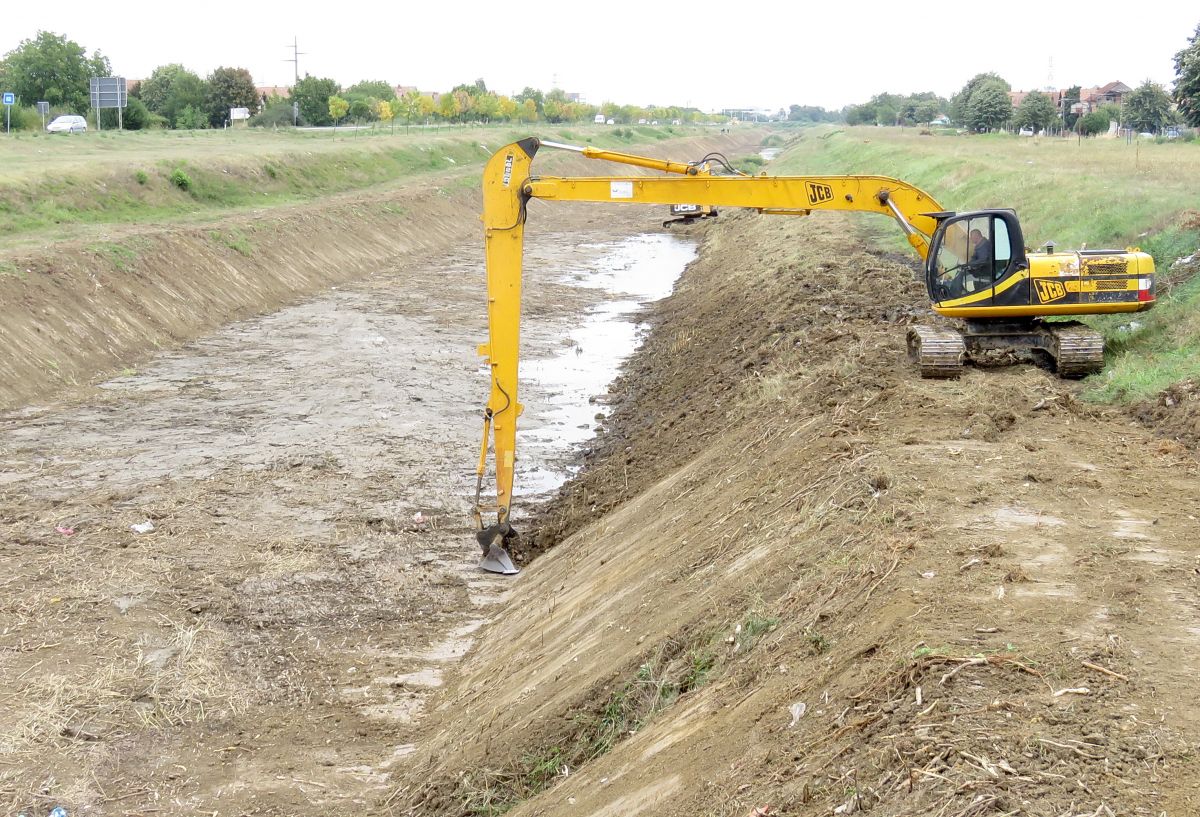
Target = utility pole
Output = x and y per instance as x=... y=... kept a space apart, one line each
x=295 y=60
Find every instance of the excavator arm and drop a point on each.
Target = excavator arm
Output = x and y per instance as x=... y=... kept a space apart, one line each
x=508 y=185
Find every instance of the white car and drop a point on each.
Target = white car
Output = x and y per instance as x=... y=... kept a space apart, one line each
x=1026 y=131
x=67 y=124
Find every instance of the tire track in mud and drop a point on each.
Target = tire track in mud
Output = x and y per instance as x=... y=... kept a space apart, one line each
x=270 y=646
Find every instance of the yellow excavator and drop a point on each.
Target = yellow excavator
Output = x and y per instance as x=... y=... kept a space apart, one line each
x=977 y=269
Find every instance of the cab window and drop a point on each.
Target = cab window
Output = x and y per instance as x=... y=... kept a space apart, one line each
x=975 y=252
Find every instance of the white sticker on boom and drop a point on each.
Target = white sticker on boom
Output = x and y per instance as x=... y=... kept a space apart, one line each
x=620 y=190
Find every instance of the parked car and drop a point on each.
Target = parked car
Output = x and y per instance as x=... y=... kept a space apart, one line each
x=68 y=123
x=1026 y=131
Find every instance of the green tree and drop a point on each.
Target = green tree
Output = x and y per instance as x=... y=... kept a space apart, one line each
x=338 y=108
x=487 y=106
x=362 y=108
x=960 y=104
x=1093 y=123
x=51 y=68
x=528 y=111
x=989 y=107
x=1036 y=111
x=531 y=94
x=137 y=116
x=1148 y=107
x=374 y=89
x=1187 y=80
x=229 y=88
x=409 y=107
x=1070 y=97
x=447 y=107
x=312 y=94
x=170 y=89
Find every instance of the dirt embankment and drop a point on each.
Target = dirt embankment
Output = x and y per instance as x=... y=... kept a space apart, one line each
x=266 y=644
x=804 y=581
x=79 y=310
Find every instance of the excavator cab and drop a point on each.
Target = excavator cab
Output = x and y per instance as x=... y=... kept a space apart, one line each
x=972 y=259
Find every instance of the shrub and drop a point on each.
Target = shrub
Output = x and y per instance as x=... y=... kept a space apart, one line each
x=191 y=119
x=24 y=117
x=180 y=179
x=141 y=177
x=275 y=115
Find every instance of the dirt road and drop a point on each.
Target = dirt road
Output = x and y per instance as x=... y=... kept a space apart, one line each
x=268 y=647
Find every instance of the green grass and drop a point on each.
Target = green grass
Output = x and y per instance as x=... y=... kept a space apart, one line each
x=51 y=187
x=1102 y=192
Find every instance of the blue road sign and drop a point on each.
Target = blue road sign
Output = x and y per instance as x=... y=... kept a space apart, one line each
x=9 y=99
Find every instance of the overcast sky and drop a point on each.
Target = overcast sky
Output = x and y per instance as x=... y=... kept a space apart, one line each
x=707 y=54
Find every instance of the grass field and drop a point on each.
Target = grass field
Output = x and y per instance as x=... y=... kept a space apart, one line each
x=1102 y=192
x=50 y=186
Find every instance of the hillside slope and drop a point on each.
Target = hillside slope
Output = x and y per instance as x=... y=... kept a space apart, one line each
x=801 y=580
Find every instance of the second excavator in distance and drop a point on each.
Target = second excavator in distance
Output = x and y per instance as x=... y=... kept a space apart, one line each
x=977 y=269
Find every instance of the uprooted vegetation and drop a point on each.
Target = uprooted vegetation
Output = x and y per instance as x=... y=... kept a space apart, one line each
x=925 y=595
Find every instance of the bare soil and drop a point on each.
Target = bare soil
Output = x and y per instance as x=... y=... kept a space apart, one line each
x=796 y=579
x=268 y=647
x=793 y=579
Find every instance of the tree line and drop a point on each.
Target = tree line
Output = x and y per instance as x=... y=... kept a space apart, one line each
x=54 y=69
x=983 y=104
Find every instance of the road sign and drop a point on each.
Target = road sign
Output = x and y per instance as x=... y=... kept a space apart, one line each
x=108 y=92
x=9 y=98
x=43 y=108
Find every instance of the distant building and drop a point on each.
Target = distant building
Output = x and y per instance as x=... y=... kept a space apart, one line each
x=1113 y=93
x=265 y=92
x=401 y=90
x=1090 y=99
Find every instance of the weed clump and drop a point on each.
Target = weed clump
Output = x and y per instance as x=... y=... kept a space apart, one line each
x=181 y=180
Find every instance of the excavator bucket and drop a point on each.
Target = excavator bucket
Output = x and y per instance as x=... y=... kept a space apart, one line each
x=495 y=558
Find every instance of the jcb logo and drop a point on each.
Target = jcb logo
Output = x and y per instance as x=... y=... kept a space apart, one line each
x=819 y=193
x=1048 y=291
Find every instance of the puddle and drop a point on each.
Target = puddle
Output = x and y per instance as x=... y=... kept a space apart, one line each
x=635 y=271
x=768 y=154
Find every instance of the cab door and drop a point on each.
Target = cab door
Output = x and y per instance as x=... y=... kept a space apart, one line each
x=975 y=259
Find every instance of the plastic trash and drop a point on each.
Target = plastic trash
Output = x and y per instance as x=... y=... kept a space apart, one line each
x=65 y=530
x=142 y=527
x=58 y=811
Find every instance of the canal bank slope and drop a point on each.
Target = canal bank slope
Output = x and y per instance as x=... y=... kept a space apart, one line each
x=77 y=311
x=796 y=579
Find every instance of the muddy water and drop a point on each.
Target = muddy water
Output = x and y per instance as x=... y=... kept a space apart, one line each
x=630 y=273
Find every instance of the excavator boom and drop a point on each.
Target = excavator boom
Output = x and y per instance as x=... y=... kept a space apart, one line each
x=976 y=267
x=508 y=184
